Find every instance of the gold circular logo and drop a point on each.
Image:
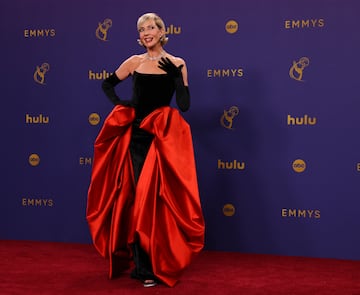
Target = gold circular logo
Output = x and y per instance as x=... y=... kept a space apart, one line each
x=299 y=165
x=231 y=27
x=94 y=119
x=34 y=159
x=229 y=210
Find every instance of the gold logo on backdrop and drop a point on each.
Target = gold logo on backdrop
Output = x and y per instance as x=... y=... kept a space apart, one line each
x=304 y=23
x=37 y=202
x=225 y=73
x=85 y=161
x=40 y=119
x=228 y=116
x=34 y=160
x=228 y=210
x=299 y=165
x=231 y=27
x=171 y=30
x=301 y=213
x=304 y=120
x=39 y=74
x=98 y=75
x=94 y=119
x=297 y=68
x=102 y=29
x=233 y=165
x=29 y=33
x=358 y=167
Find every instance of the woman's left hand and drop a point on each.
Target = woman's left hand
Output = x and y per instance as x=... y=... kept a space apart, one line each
x=167 y=65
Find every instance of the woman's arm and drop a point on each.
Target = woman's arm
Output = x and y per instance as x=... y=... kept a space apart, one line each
x=109 y=84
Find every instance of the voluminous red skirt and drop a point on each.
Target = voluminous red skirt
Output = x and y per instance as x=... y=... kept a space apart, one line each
x=162 y=212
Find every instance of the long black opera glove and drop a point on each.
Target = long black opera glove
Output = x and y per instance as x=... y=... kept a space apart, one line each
x=182 y=91
x=108 y=86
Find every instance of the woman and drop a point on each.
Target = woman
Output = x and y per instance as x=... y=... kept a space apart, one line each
x=143 y=204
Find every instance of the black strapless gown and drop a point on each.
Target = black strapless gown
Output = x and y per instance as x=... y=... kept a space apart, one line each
x=150 y=91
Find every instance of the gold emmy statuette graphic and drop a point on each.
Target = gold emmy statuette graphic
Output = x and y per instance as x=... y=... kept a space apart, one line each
x=102 y=29
x=297 y=68
x=228 y=116
x=39 y=74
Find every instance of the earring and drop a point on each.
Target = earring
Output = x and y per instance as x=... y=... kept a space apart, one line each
x=139 y=42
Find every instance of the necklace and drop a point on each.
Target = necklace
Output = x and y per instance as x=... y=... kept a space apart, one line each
x=162 y=54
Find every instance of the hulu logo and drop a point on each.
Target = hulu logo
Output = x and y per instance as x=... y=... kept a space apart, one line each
x=233 y=165
x=304 y=120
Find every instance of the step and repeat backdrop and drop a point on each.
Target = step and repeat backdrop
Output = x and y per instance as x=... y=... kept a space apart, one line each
x=275 y=116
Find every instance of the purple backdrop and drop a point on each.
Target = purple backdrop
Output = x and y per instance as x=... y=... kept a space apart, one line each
x=274 y=116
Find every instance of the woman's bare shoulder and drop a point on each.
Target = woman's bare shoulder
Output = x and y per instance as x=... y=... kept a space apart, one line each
x=134 y=59
x=132 y=62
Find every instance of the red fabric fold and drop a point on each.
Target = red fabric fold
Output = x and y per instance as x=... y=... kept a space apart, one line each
x=163 y=212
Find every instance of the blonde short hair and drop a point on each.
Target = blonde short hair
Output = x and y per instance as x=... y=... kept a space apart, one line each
x=158 y=21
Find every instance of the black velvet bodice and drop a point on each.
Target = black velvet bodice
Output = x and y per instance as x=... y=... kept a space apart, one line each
x=151 y=91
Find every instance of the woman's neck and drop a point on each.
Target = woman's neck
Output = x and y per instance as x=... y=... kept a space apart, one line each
x=155 y=54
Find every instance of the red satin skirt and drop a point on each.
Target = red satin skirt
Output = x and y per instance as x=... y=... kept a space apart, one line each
x=161 y=211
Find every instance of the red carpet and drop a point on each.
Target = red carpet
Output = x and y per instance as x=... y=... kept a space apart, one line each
x=28 y=268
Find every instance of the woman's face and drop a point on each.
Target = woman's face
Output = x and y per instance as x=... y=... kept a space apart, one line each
x=150 y=34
